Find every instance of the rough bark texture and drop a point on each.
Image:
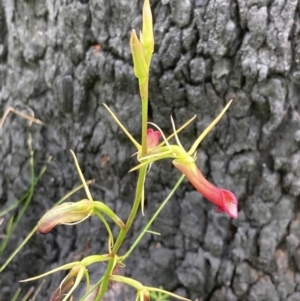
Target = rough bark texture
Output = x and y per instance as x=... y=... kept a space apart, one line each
x=63 y=59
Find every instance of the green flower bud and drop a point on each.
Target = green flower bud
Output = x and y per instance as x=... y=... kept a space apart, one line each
x=147 y=38
x=138 y=55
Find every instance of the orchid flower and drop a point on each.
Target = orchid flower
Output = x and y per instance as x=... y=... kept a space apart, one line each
x=66 y=213
x=224 y=200
x=185 y=162
x=72 y=213
x=75 y=212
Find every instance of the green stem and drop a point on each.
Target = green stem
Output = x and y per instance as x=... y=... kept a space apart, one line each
x=144 y=125
x=101 y=207
x=152 y=219
x=137 y=200
x=83 y=298
x=123 y=232
x=111 y=241
x=105 y=282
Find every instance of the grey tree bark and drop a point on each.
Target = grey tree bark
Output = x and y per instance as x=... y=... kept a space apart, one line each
x=63 y=59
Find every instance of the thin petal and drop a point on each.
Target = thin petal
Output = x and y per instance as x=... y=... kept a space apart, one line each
x=178 y=130
x=61 y=268
x=86 y=188
x=208 y=129
x=137 y=145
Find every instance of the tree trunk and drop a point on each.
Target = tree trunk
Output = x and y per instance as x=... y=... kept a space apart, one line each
x=63 y=59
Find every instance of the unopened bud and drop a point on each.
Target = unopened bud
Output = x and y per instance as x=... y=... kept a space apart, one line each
x=147 y=38
x=66 y=213
x=139 y=63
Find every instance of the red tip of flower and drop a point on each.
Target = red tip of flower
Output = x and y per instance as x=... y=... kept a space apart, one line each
x=230 y=203
x=152 y=138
